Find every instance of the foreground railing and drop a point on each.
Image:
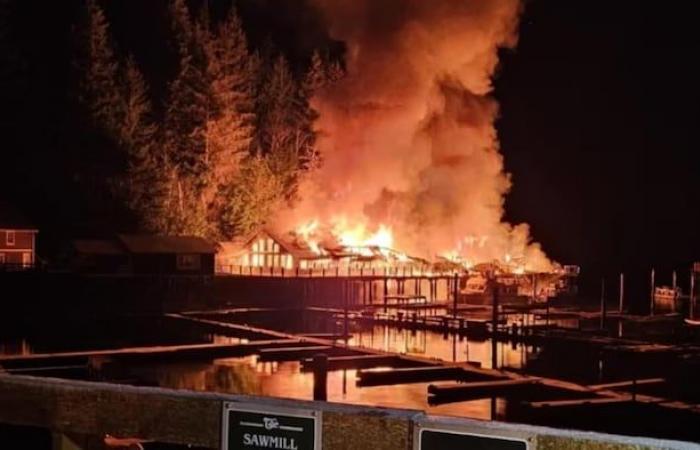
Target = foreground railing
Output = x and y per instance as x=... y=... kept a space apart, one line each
x=217 y=421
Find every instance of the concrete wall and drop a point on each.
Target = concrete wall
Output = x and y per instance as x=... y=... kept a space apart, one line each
x=190 y=418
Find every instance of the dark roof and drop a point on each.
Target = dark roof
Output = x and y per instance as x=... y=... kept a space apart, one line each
x=166 y=244
x=98 y=247
x=11 y=218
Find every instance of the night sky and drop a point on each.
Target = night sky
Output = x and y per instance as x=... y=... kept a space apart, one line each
x=599 y=105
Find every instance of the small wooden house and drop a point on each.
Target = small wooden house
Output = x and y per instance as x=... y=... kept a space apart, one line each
x=144 y=255
x=17 y=240
x=169 y=255
x=99 y=256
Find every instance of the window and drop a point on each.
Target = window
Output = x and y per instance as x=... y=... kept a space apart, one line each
x=10 y=237
x=2 y=258
x=265 y=252
x=188 y=262
x=26 y=259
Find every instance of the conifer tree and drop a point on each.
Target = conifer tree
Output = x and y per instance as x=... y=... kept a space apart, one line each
x=185 y=126
x=253 y=199
x=147 y=170
x=99 y=81
x=285 y=120
x=230 y=73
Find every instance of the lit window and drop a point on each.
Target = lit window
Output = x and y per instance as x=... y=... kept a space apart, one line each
x=10 y=238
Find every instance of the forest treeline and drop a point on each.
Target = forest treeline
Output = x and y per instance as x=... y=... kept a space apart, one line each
x=227 y=145
x=218 y=144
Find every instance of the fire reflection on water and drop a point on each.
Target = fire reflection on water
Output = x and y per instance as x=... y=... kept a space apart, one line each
x=248 y=376
x=285 y=379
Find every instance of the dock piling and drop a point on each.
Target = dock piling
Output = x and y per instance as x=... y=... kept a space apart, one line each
x=320 y=363
x=603 y=305
x=622 y=292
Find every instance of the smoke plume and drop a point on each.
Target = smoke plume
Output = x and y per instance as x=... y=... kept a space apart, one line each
x=408 y=136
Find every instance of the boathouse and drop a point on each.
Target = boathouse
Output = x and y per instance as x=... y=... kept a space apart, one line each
x=144 y=255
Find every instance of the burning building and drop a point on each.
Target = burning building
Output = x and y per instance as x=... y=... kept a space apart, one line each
x=412 y=175
x=270 y=252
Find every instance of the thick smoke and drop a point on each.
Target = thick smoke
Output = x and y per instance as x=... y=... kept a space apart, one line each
x=408 y=136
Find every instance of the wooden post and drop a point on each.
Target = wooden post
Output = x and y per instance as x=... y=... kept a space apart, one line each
x=455 y=294
x=653 y=288
x=691 y=296
x=622 y=293
x=494 y=324
x=674 y=281
x=603 y=305
x=386 y=292
x=345 y=309
x=321 y=377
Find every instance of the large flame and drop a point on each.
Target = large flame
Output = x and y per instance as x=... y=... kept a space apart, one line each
x=360 y=236
x=411 y=154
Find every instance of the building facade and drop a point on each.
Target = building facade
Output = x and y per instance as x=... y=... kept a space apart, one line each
x=17 y=240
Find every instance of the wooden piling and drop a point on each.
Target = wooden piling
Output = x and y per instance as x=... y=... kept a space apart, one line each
x=455 y=294
x=345 y=310
x=603 y=305
x=386 y=292
x=653 y=288
x=622 y=292
x=494 y=325
x=691 y=296
x=320 y=377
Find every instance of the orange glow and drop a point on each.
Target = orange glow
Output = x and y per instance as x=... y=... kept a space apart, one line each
x=360 y=236
x=308 y=233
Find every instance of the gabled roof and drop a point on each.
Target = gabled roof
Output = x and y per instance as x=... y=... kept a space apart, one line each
x=239 y=246
x=98 y=247
x=151 y=244
x=12 y=219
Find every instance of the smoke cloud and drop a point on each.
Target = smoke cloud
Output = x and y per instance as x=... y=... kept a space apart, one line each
x=408 y=136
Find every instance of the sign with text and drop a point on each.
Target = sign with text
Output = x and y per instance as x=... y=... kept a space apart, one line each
x=256 y=427
x=434 y=439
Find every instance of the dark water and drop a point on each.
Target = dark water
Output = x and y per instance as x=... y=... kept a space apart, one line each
x=578 y=363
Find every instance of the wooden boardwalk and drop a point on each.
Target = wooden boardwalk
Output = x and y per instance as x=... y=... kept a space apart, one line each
x=202 y=351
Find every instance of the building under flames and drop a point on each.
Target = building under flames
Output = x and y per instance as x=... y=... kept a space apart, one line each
x=269 y=250
x=269 y=253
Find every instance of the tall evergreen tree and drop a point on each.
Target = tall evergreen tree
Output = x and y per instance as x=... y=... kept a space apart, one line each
x=285 y=121
x=99 y=73
x=254 y=198
x=147 y=176
x=186 y=119
x=230 y=71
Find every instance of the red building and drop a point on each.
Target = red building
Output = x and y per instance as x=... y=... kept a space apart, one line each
x=17 y=240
